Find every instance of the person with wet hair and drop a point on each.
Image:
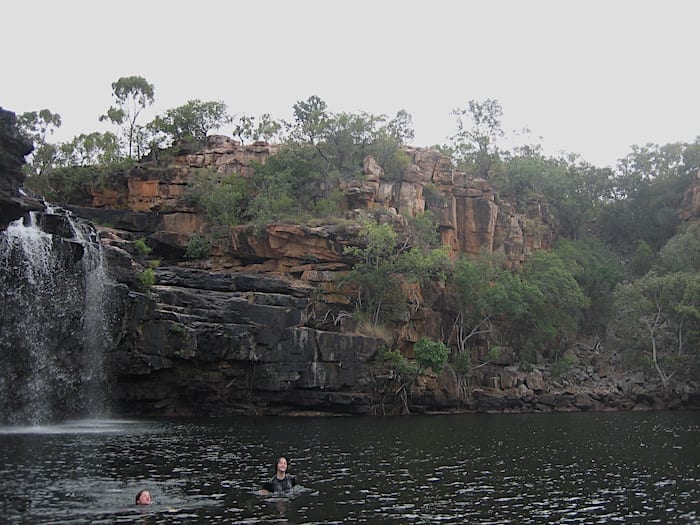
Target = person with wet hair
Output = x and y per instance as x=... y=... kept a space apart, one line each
x=282 y=481
x=143 y=498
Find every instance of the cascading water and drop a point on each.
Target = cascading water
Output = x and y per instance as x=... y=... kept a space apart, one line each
x=53 y=311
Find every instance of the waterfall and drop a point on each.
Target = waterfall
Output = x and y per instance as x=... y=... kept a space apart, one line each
x=53 y=309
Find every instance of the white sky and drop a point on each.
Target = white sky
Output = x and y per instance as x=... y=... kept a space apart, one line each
x=588 y=76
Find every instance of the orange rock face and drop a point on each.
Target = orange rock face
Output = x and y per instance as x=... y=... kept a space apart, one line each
x=471 y=217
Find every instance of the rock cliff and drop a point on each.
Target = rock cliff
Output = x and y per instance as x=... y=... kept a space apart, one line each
x=14 y=201
x=472 y=218
x=262 y=325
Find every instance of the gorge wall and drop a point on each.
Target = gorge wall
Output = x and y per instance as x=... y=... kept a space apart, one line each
x=262 y=325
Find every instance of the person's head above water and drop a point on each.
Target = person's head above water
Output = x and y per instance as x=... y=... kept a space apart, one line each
x=143 y=498
x=281 y=466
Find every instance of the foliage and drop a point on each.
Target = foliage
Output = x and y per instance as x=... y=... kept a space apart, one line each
x=555 y=305
x=575 y=190
x=70 y=185
x=220 y=198
x=647 y=189
x=378 y=291
x=342 y=141
x=198 y=247
x=474 y=148
x=562 y=365
x=682 y=252
x=422 y=258
x=132 y=95
x=147 y=279
x=141 y=247
x=597 y=271
x=424 y=233
x=37 y=126
x=418 y=266
x=273 y=197
x=395 y=361
x=659 y=316
x=191 y=121
x=266 y=128
x=431 y=354
x=292 y=182
x=91 y=149
x=462 y=363
x=642 y=260
x=484 y=293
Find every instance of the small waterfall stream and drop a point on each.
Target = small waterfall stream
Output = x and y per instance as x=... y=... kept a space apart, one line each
x=53 y=310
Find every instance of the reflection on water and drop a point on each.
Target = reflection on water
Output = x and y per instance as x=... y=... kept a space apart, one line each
x=563 y=468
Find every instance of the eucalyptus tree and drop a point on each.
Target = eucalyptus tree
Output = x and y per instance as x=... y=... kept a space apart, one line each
x=492 y=302
x=132 y=95
x=311 y=119
x=263 y=128
x=38 y=126
x=88 y=149
x=478 y=128
x=658 y=316
x=191 y=121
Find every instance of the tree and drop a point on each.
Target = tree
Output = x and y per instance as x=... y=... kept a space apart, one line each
x=401 y=127
x=642 y=260
x=647 y=189
x=191 y=121
x=297 y=175
x=132 y=94
x=659 y=315
x=348 y=140
x=597 y=271
x=266 y=128
x=682 y=251
x=310 y=120
x=89 y=149
x=37 y=126
x=378 y=290
x=475 y=147
x=487 y=294
x=553 y=315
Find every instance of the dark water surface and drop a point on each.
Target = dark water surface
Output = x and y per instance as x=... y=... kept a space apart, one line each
x=519 y=469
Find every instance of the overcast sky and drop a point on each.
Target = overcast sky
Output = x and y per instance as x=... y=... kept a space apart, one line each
x=591 y=77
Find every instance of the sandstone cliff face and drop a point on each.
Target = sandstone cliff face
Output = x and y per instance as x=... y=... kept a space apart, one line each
x=259 y=327
x=472 y=218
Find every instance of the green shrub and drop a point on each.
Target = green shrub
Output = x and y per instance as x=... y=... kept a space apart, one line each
x=393 y=360
x=431 y=354
x=141 y=247
x=197 y=248
x=147 y=279
x=562 y=366
x=462 y=363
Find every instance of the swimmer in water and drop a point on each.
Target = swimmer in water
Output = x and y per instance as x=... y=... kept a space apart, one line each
x=281 y=482
x=143 y=498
